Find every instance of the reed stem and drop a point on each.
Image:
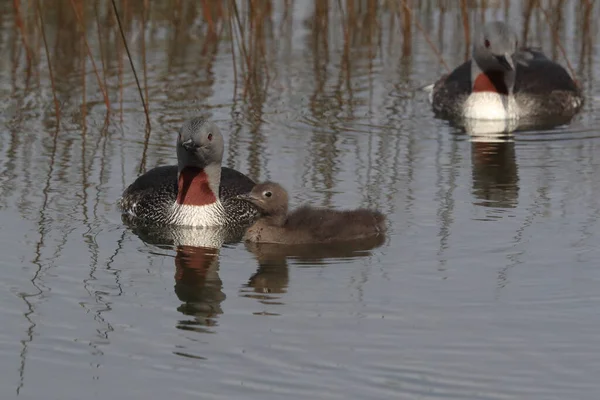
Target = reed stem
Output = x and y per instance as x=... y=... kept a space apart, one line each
x=137 y=81
x=554 y=30
x=52 y=83
x=89 y=52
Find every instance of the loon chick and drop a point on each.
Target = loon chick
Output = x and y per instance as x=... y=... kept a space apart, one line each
x=503 y=82
x=306 y=224
x=196 y=192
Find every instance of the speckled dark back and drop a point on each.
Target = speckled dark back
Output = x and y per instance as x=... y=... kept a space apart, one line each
x=534 y=83
x=151 y=195
x=450 y=92
x=234 y=183
x=542 y=76
x=546 y=86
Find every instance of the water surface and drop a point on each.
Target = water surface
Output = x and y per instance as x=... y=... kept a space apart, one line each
x=486 y=287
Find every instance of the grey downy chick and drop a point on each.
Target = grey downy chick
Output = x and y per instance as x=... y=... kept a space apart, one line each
x=306 y=225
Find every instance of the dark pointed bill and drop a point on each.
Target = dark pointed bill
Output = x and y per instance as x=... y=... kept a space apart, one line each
x=189 y=145
x=506 y=61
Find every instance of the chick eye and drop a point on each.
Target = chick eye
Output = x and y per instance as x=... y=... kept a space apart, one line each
x=209 y=137
x=268 y=194
x=487 y=44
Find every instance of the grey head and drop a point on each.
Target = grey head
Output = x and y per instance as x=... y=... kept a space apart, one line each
x=494 y=47
x=270 y=198
x=199 y=144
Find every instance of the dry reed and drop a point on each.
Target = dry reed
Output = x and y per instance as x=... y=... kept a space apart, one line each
x=248 y=27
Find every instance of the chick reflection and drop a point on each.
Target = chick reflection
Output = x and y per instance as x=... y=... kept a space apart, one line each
x=272 y=275
x=495 y=174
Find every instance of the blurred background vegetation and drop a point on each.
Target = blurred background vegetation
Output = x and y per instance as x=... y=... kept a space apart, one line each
x=80 y=41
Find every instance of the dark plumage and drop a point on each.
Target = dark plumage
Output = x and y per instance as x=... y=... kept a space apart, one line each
x=154 y=192
x=153 y=197
x=306 y=224
x=541 y=87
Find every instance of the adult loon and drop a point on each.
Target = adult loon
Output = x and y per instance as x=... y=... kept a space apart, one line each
x=197 y=192
x=306 y=224
x=504 y=82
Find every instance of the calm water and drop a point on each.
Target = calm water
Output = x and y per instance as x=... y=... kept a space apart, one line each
x=487 y=286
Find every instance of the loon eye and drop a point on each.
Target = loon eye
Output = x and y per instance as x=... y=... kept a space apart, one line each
x=268 y=194
x=209 y=137
x=487 y=44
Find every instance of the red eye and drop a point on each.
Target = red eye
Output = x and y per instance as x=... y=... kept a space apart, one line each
x=487 y=44
x=210 y=136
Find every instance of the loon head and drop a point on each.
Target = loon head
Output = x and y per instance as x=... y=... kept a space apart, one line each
x=199 y=144
x=494 y=47
x=271 y=200
x=200 y=150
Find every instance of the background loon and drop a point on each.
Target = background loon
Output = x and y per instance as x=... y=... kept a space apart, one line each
x=197 y=191
x=502 y=82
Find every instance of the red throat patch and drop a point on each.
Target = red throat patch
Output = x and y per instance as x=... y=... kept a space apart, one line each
x=490 y=82
x=193 y=188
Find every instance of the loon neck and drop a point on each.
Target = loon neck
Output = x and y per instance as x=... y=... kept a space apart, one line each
x=486 y=78
x=491 y=81
x=198 y=186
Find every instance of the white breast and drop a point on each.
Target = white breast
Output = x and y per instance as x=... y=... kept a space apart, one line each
x=490 y=106
x=212 y=237
x=490 y=130
x=200 y=216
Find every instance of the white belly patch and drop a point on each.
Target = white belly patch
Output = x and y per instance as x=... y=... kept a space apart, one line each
x=490 y=106
x=200 y=216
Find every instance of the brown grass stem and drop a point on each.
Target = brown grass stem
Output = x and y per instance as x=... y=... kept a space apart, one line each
x=242 y=42
x=527 y=20
x=100 y=43
x=208 y=17
x=144 y=63
x=406 y=28
x=52 y=83
x=466 y=27
x=89 y=52
x=425 y=35
x=21 y=26
x=554 y=30
x=137 y=81
x=235 y=83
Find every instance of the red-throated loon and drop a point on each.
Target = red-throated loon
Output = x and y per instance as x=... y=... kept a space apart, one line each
x=502 y=81
x=196 y=192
